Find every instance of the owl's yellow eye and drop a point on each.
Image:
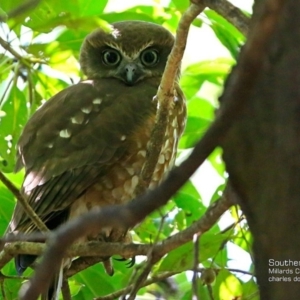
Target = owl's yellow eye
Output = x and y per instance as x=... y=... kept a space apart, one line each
x=149 y=57
x=111 y=57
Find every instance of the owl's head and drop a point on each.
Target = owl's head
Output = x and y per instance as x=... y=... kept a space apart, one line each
x=130 y=52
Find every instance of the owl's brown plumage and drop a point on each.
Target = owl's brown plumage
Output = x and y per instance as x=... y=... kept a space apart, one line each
x=86 y=146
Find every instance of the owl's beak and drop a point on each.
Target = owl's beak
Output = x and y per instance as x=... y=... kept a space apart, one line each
x=131 y=73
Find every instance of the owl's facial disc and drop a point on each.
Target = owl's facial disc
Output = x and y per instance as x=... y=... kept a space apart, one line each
x=130 y=69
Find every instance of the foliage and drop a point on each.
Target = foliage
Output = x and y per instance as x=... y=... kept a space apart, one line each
x=47 y=39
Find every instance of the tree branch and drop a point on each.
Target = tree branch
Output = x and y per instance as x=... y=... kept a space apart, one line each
x=105 y=249
x=10 y=49
x=166 y=96
x=22 y=8
x=231 y=13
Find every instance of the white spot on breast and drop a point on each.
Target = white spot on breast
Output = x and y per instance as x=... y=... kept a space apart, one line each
x=127 y=187
x=156 y=176
x=161 y=159
x=134 y=181
x=65 y=133
x=86 y=110
x=50 y=145
x=152 y=185
x=139 y=144
x=167 y=155
x=142 y=153
x=117 y=193
x=97 y=101
x=121 y=175
x=174 y=122
x=166 y=145
x=130 y=171
x=137 y=166
x=123 y=138
x=175 y=134
x=108 y=184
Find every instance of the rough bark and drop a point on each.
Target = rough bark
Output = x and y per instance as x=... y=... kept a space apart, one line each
x=262 y=154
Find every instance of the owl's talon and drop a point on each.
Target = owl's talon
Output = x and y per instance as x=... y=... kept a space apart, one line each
x=129 y=264
x=120 y=259
x=107 y=264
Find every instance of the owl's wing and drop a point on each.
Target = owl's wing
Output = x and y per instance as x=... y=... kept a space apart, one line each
x=73 y=139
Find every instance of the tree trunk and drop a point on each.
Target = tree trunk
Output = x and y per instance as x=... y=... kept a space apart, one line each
x=262 y=154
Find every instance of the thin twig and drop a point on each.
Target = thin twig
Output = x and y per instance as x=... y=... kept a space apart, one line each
x=142 y=277
x=27 y=208
x=22 y=8
x=10 y=49
x=25 y=60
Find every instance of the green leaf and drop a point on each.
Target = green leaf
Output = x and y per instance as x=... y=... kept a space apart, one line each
x=182 y=258
x=250 y=289
x=128 y=15
x=10 y=6
x=11 y=125
x=94 y=283
x=243 y=239
x=216 y=160
x=6 y=66
x=7 y=204
x=195 y=128
x=227 y=34
x=181 y=5
x=214 y=71
x=190 y=189
x=218 y=192
x=76 y=14
x=199 y=107
x=191 y=206
x=228 y=285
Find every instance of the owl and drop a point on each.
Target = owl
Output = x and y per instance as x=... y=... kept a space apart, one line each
x=86 y=146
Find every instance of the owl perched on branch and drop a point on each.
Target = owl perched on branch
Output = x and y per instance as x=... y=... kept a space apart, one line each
x=87 y=145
